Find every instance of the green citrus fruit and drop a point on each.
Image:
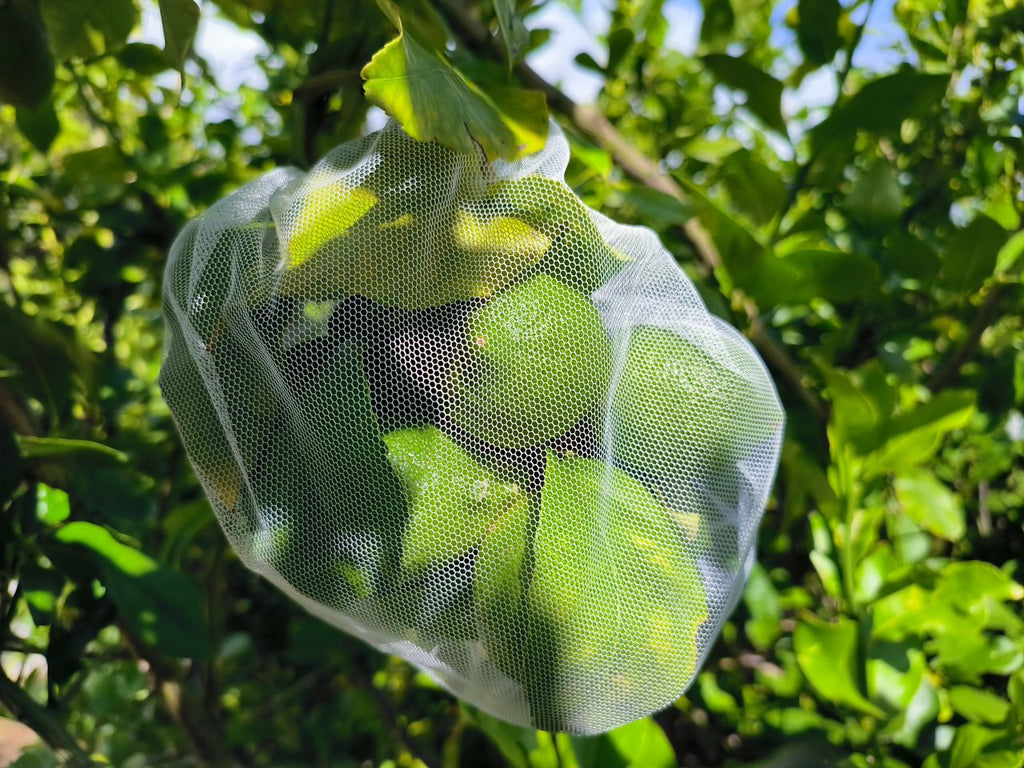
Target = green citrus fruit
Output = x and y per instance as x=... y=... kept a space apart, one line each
x=676 y=408
x=607 y=628
x=540 y=361
x=453 y=499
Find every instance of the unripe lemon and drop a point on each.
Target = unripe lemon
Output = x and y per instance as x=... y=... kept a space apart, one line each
x=676 y=409
x=540 y=362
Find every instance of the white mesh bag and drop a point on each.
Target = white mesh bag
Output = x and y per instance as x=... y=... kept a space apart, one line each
x=451 y=410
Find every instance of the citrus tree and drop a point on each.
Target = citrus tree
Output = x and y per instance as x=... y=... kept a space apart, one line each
x=871 y=249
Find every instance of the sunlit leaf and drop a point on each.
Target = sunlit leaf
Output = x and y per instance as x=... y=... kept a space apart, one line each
x=52 y=504
x=86 y=29
x=453 y=499
x=828 y=655
x=162 y=606
x=641 y=744
x=931 y=505
x=433 y=100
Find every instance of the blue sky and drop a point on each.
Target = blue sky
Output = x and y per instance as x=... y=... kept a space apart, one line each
x=232 y=53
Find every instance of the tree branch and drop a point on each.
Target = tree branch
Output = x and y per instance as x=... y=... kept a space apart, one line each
x=590 y=120
x=946 y=373
x=24 y=707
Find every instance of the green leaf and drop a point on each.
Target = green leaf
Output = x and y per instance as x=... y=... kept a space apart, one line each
x=656 y=208
x=818 y=30
x=930 y=504
x=911 y=257
x=754 y=188
x=161 y=606
x=876 y=198
x=45 y=360
x=828 y=656
x=144 y=58
x=524 y=747
x=41 y=588
x=78 y=451
x=620 y=41
x=180 y=18
x=975 y=746
x=764 y=92
x=453 y=499
x=897 y=675
x=840 y=277
x=719 y=19
x=513 y=32
x=521 y=387
x=86 y=29
x=26 y=63
x=434 y=101
x=641 y=744
x=95 y=176
x=793 y=278
x=881 y=106
x=330 y=447
x=762 y=601
x=52 y=505
x=39 y=125
x=583 y=598
x=969 y=257
x=1009 y=257
x=913 y=436
x=978 y=705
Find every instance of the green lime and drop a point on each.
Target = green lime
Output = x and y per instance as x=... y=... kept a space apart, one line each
x=499 y=588
x=541 y=361
x=676 y=407
x=453 y=499
x=614 y=604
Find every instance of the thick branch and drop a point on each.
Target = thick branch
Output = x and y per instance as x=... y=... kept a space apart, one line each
x=591 y=121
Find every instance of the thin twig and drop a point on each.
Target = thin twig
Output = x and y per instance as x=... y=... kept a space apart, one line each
x=949 y=370
x=201 y=727
x=86 y=97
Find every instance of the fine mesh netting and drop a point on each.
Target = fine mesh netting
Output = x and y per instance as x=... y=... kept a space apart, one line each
x=451 y=410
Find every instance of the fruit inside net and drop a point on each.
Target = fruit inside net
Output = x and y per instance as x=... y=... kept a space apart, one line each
x=451 y=410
